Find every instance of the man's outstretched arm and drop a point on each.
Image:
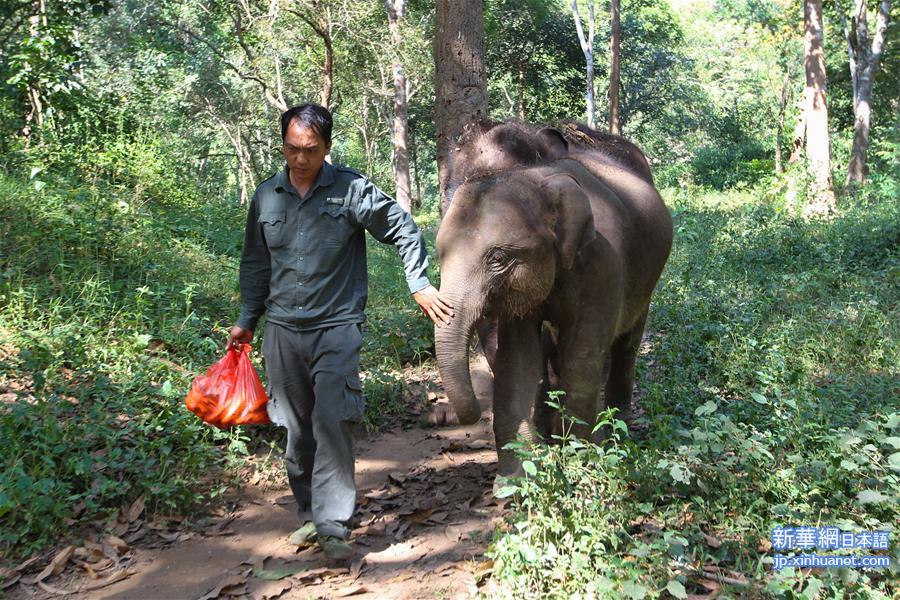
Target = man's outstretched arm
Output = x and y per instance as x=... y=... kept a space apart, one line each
x=390 y=224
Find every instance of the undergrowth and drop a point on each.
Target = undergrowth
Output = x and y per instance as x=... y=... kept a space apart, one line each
x=771 y=391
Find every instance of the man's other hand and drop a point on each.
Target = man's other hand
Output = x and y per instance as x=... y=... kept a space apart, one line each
x=439 y=310
x=237 y=336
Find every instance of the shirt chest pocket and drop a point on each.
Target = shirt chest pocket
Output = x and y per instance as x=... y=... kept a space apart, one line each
x=274 y=229
x=335 y=223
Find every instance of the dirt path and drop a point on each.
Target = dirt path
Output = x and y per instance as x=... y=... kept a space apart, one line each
x=425 y=519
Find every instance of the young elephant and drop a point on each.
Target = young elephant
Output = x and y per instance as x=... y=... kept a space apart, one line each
x=575 y=244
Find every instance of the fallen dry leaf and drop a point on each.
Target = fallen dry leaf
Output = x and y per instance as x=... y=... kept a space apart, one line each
x=219 y=533
x=136 y=509
x=372 y=529
x=131 y=538
x=220 y=527
x=356 y=567
x=229 y=582
x=323 y=572
x=398 y=535
x=52 y=590
x=117 y=543
x=384 y=493
x=276 y=589
x=277 y=574
x=90 y=552
x=397 y=477
x=446 y=567
x=7 y=573
x=10 y=583
x=352 y=591
x=57 y=565
x=114 y=578
x=27 y=563
x=391 y=528
x=483 y=570
x=420 y=516
x=121 y=528
x=439 y=518
x=257 y=562
x=712 y=541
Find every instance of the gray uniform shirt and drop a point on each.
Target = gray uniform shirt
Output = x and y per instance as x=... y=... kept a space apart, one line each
x=304 y=259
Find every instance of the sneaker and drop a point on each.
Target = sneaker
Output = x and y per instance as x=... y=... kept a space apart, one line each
x=305 y=536
x=335 y=548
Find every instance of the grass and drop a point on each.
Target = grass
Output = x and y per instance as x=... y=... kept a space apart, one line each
x=772 y=396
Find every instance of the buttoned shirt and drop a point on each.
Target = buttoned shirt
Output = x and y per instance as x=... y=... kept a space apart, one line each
x=304 y=258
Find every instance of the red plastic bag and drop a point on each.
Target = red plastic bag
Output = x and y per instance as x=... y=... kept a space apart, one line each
x=230 y=393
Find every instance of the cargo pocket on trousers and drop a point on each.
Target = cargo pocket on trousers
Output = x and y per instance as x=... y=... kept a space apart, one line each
x=354 y=403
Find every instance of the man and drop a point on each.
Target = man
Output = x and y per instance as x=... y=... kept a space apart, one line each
x=304 y=261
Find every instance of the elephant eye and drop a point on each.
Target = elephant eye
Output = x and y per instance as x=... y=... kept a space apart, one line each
x=495 y=257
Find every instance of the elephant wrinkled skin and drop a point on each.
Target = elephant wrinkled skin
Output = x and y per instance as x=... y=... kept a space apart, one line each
x=551 y=247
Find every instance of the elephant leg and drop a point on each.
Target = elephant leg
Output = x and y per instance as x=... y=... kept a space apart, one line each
x=544 y=414
x=487 y=334
x=517 y=382
x=583 y=363
x=620 y=383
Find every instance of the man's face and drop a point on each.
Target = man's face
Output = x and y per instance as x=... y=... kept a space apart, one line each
x=304 y=151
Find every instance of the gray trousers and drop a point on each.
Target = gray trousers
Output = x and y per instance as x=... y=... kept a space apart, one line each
x=315 y=393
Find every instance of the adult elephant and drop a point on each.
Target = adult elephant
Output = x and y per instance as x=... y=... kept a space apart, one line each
x=572 y=241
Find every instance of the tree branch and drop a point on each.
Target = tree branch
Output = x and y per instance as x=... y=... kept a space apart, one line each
x=578 y=27
x=281 y=107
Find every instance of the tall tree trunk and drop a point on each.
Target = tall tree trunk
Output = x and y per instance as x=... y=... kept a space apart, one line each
x=799 y=130
x=461 y=90
x=318 y=18
x=522 y=89
x=34 y=113
x=818 y=143
x=395 y=10
x=587 y=47
x=779 y=133
x=417 y=199
x=864 y=59
x=614 y=58
x=324 y=32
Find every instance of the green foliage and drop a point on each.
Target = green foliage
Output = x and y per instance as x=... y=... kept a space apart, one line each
x=534 y=60
x=104 y=315
x=564 y=528
x=771 y=396
x=40 y=56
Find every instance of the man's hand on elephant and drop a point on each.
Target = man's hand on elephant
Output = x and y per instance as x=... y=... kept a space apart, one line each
x=237 y=336
x=438 y=310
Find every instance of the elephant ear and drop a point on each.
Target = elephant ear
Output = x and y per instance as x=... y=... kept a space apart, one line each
x=556 y=144
x=570 y=219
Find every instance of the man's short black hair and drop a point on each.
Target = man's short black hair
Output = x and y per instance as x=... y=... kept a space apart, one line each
x=310 y=115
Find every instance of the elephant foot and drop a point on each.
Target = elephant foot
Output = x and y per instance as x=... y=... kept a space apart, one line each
x=501 y=481
x=440 y=415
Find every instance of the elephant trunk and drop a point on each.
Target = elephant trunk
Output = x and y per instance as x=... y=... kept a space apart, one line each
x=452 y=345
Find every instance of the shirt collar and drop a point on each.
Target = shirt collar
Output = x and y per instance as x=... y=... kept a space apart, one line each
x=324 y=179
